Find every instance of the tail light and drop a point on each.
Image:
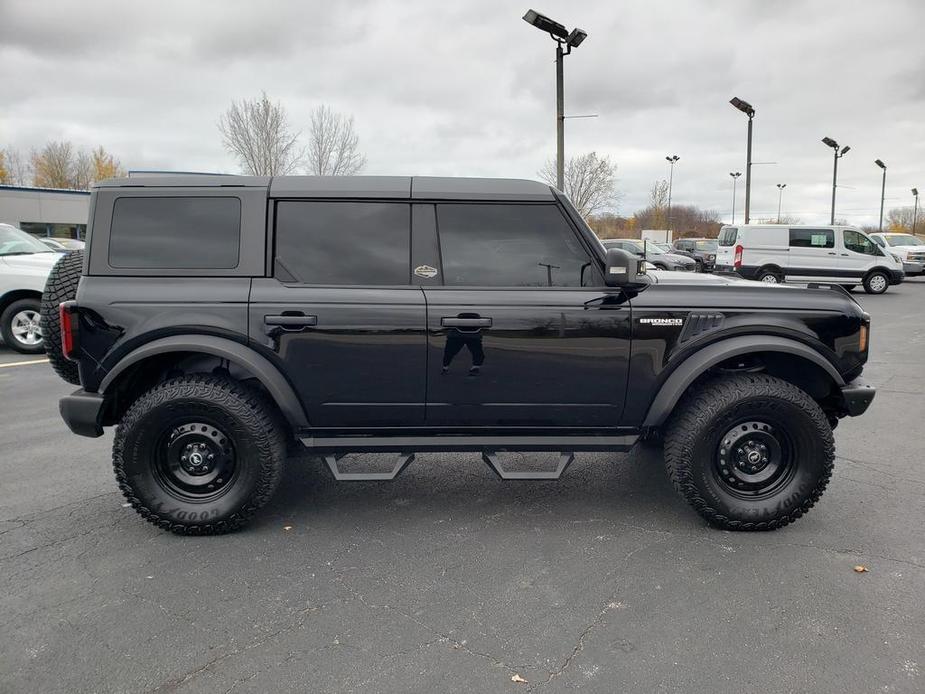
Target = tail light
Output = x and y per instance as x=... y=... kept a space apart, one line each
x=737 y=261
x=67 y=312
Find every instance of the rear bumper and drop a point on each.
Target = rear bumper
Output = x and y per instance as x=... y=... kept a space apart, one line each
x=81 y=412
x=857 y=396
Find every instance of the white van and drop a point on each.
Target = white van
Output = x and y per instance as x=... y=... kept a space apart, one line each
x=807 y=253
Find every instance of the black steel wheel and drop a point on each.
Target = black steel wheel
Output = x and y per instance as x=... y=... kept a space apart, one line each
x=749 y=451
x=199 y=454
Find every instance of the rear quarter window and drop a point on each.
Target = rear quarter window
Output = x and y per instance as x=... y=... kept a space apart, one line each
x=175 y=233
x=727 y=237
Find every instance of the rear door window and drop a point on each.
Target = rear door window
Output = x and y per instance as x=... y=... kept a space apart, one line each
x=343 y=243
x=727 y=237
x=812 y=238
x=511 y=245
x=175 y=232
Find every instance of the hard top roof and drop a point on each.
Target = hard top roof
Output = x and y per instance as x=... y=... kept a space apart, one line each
x=391 y=187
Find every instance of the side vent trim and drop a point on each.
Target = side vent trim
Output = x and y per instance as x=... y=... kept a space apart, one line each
x=699 y=323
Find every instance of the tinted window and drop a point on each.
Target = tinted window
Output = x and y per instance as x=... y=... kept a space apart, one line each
x=346 y=243
x=812 y=238
x=176 y=233
x=727 y=237
x=511 y=246
x=857 y=242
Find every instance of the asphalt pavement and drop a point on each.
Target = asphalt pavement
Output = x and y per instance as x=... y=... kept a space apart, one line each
x=451 y=580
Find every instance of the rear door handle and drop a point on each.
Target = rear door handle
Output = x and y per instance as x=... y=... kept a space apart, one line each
x=454 y=322
x=293 y=323
x=831 y=253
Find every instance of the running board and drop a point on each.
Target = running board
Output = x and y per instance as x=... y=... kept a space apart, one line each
x=403 y=461
x=491 y=458
x=466 y=442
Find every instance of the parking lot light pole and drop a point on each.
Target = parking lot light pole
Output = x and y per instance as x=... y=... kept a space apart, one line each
x=780 y=196
x=569 y=39
x=882 y=192
x=735 y=179
x=829 y=142
x=915 y=209
x=749 y=111
x=671 y=160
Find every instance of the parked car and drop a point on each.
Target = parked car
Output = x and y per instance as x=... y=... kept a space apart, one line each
x=24 y=266
x=776 y=253
x=908 y=248
x=655 y=255
x=365 y=330
x=703 y=251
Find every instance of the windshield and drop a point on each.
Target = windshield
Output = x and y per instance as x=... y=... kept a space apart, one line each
x=706 y=245
x=15 y=241
x=904 y=240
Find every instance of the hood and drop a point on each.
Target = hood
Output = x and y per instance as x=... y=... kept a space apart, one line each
x=675 y=258
x=701 y=279
x=32 y=264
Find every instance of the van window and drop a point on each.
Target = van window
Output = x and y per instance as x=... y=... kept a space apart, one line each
x=857 y=242
x=727 y=237
x=175 y=233
x=812 y=238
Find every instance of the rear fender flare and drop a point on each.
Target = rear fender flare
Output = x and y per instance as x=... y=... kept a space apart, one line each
x=696 y=364
x=265 y=372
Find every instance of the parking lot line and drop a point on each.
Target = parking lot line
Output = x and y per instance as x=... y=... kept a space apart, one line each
x=24 y=363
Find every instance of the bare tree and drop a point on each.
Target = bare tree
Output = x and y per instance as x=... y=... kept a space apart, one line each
x=15 y=168
x=333 y=148
x=658 y=204
x=54 y=165
x=257 y=132
x=82 y=175
x=589 y=181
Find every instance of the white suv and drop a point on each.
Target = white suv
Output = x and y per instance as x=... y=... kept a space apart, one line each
x=24 y=266
x=908 y=248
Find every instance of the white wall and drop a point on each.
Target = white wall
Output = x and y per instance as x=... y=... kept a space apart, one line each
x=19 y=205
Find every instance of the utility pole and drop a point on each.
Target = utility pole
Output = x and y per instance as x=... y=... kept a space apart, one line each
x=749 y=111
x=735 y=179
x=829 y=142
x=882 y=191
x=671 y=160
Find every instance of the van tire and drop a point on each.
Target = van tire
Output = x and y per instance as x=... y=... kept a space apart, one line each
x=769 y=275
x=876 y=282
x=60 y=286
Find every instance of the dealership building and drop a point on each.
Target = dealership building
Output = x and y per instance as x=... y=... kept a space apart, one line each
x=46 y=211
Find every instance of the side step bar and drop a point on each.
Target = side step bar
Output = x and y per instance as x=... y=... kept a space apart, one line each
x=335 y=448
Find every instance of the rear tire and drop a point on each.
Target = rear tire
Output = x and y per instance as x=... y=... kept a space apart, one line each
x=768 y=276
x=21 y=326
x=699 y=267
x=749 y=451
x=876 y=282
x=200 y=454
x=60 y=286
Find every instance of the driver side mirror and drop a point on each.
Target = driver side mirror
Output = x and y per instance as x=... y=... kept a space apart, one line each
x=624 y=269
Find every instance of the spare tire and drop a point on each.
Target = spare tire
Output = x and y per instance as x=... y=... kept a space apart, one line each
x=60 y=286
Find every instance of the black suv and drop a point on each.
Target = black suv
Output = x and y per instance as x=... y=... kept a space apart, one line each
x=703 y=251
x=219 y=320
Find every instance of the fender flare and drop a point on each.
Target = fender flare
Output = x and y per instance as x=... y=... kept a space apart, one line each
x=265 y=372
x=696 y=364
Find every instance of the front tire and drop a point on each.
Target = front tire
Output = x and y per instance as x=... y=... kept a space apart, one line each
x=876 y=283
x=768 y=276
x=199 y=454
x=21 y=326
x=749 y=452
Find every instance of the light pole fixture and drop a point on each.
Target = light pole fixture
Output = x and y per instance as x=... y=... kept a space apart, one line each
x=749 y=111
x=882 y=191
x=829 y=142
x=915 y=209
x=671 y=160
x=780 y=196
x=735 y=179
x=569 y=39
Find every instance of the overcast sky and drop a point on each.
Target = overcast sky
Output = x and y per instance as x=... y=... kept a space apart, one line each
x=468 y=88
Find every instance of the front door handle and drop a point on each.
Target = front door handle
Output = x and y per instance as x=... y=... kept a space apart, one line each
x=832 y=253
x=470 y=323
x=289 y=322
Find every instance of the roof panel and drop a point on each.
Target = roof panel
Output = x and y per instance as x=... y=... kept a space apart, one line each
x=341 y=187
x=439 y=188
x=184 y=181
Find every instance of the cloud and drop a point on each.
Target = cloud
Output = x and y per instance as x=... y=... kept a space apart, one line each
x=468 y=88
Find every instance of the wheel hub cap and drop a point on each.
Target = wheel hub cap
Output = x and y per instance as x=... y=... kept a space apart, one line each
x=26 y=327
x=751 y=458
x=197 y=459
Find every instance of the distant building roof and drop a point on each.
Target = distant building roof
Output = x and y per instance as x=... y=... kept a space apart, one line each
x=33 y=189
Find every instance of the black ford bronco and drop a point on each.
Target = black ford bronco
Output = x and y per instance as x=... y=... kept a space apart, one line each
x=218 y=320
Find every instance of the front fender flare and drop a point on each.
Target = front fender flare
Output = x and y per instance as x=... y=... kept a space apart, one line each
x=711 y=355
x=265 y=372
